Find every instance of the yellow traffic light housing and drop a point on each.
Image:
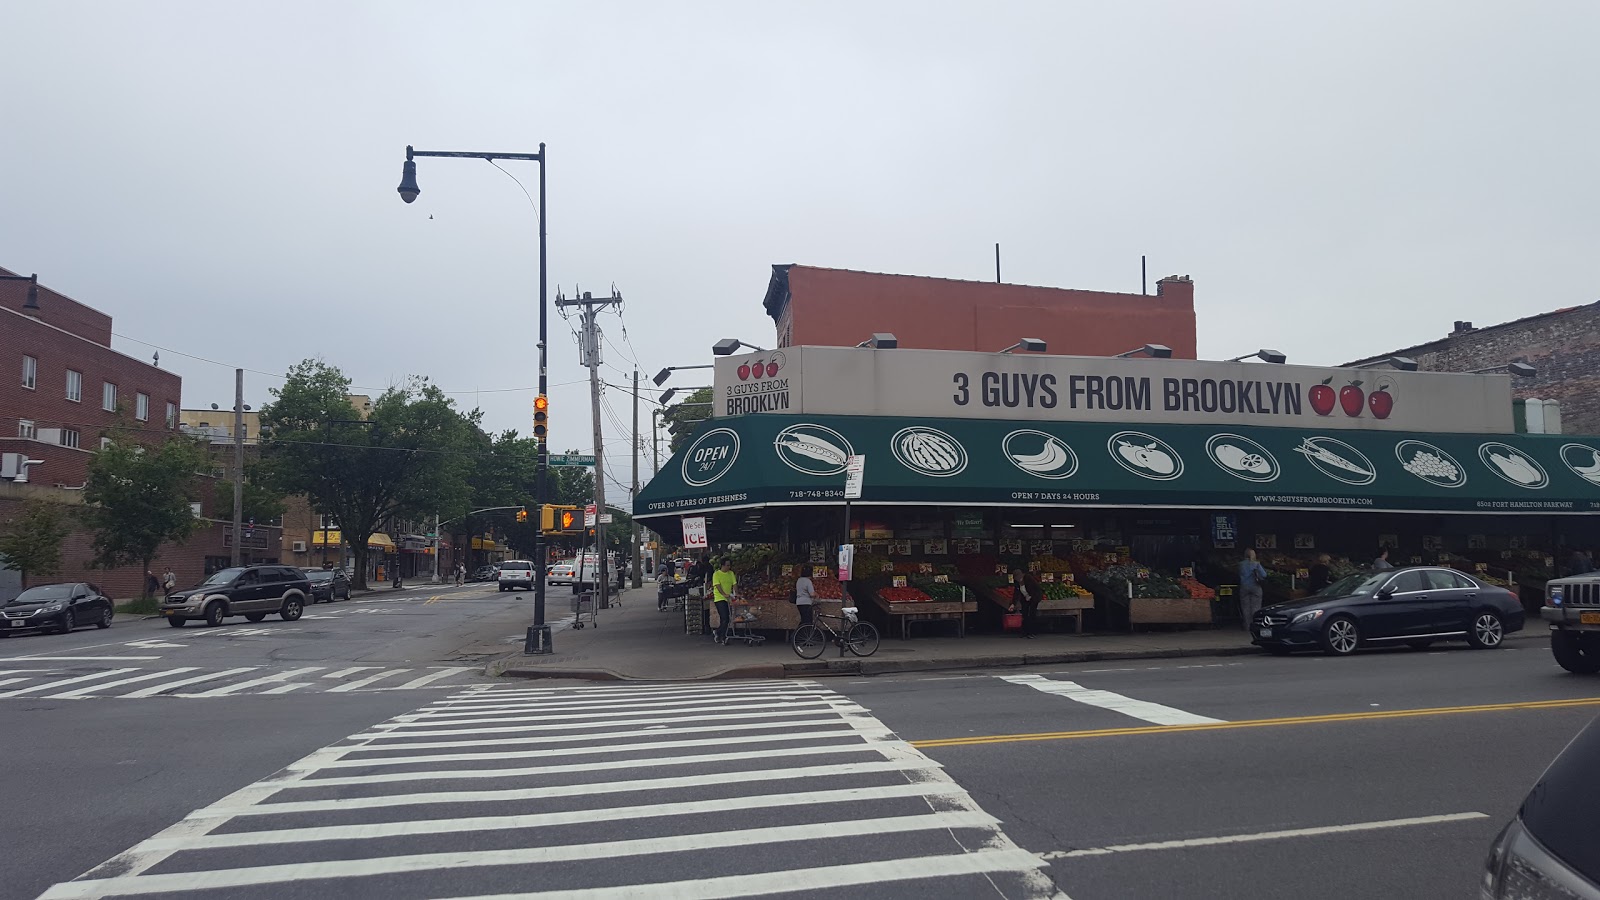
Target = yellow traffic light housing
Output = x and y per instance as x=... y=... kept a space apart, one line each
x=547 y=518
x=556 y=519
x=541 y=418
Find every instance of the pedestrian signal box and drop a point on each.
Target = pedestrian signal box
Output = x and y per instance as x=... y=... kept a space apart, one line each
x=560 y=520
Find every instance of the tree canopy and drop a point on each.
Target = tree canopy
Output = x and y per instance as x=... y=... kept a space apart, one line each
x=137 y=497
x=31 y=540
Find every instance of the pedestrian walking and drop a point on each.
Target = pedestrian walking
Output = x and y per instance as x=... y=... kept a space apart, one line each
x=1028 y=594
x=169 y=583
x=805 y=596
x=724 y=587
x=1382 y=564
x=461 y=574
x=1320 y=575
x=152 y=584
x=1251 y=577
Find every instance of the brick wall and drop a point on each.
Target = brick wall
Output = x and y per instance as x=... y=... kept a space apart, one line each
x=57 y=309
x=1564 y=346
x=47 y=406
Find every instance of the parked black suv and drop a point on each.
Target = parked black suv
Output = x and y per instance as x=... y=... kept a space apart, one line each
x=250 y=591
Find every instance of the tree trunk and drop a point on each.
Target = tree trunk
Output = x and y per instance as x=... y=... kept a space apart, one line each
x=359 y=576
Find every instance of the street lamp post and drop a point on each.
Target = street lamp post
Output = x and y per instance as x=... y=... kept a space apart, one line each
x=538 y=637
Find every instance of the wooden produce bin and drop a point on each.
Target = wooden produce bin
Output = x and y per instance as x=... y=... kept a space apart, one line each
x=903 y=614
x=1062 y=607
x=1182 y=611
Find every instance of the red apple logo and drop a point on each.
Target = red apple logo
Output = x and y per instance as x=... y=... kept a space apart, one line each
x=1352 y=398
x=1380 y=401
x=744 y=371
x=772 y=370
x=1322 y=398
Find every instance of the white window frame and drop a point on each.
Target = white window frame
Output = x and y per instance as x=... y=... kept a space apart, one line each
x=70 y=438
x=74 y=386
x=105 y=442
x=141 y=407
x=30 y=372
x=172 y=415
x=25 y=429
x=108 y=396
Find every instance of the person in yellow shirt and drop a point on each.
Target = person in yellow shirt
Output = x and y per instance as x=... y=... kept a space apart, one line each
x=724 y=587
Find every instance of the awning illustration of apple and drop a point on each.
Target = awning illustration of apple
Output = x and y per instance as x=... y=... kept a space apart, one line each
x=1322 y=397
x=1352 y=398
x=1380 y=401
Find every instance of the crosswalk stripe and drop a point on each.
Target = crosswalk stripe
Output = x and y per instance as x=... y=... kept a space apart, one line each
x=607 y=704
x=514 y=729
x=684 y=713
x=105 y=686
x=799 y=773
x=210 y=676
x=286 y=688
x=254 y=682
x=363 y=682
x=50 y=686
x=1154 y=713
x=429 y=679
x=589 y=736
x=6 y=681
x=346 y=672
x=499 y=693
x=423 y=862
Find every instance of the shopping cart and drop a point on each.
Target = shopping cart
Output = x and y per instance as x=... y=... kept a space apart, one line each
x=583 y=604
x=744 y=619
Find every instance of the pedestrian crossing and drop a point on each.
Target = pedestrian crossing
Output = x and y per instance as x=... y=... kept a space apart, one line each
x=653 y=791
x=198 y=682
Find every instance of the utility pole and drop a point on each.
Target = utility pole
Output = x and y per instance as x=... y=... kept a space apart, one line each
x=590 y=309
x=238 y=465
x=435 y=548
x=638 y=579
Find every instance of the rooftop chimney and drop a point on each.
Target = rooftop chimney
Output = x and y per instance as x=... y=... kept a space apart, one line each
x=1462 y=327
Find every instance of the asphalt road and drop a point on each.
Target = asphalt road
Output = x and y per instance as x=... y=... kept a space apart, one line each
x=1007 y=783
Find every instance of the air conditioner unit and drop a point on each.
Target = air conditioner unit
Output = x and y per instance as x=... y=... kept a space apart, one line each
x=299 y=546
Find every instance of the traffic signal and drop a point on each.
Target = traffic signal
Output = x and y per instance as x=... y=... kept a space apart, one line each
x=570 y=520
x=541 y=417
x=522 y=515
x=555 y=519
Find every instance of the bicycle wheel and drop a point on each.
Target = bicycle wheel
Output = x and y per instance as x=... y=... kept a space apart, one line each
x=809 y=641
x=862 y=639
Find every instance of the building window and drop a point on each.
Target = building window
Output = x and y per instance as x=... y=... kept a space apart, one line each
x=141 y=407
x=105 y=442
x=74 y=386
x=69 y=437
x=108 y=397
x=172 y=415
x=30 y=372
x=194 y=507
x=25 y=429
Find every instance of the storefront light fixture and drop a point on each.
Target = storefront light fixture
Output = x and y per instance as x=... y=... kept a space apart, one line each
x=1402 y=363
x=881 y=340
x=1154 y=351
x=730 y=346
x=1519 y=369
x=1265 y=355
x=666 y=373
x=669 y=393
x=1030 y=345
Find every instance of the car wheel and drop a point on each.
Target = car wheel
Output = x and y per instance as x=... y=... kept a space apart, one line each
x=1420 y=645
x=1278 y=651
x=105 y=617
x=292 y=608
x=1574 y=652
x=215 y=613
x=176 y=621
x=254 y=617
x=67 y=623
x=1487 y=631
x=1341 y=637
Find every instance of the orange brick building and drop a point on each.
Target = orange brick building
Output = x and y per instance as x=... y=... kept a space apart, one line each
x=837 y=307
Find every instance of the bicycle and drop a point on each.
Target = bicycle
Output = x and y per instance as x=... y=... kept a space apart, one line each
x=859 y=637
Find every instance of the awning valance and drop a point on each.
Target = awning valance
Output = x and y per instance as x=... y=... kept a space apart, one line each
x=765 y=460
x=331 y=537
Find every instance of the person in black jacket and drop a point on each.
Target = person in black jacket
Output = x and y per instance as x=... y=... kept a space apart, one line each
x=1320 y=575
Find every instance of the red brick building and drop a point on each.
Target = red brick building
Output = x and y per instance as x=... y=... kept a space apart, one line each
x=62 y=389
x=837 y=307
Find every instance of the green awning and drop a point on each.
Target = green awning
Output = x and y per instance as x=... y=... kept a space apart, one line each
x=765 y=460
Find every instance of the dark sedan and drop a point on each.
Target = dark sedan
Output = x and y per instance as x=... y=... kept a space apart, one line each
x=328 y=585
x=484 y=573
x=1549 y=849
x=1414 y=606
x=56 y=607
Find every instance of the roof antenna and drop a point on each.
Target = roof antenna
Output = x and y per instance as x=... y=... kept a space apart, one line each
x=1144 y=279
x=997 y=262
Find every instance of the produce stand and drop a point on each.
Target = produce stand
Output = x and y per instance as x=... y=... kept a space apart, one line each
x=905 y=613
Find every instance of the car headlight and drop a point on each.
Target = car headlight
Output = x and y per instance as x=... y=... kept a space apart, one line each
x=54 y=607
x=1519 y=867
x=1310 y=615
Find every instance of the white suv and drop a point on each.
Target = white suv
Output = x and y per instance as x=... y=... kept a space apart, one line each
x=516 y=573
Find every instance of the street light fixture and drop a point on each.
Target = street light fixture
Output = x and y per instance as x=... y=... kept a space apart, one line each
x=666 y=373
x=1265 y=355
x=538 y=636
x=1031 y=345
x=1519 y=369
x=1402 y=363
x=667 y=395
x=881 y=340
x=730 y=346
x=1154 y=351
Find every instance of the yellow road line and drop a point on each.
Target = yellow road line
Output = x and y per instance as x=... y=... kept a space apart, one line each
x=1255 y=723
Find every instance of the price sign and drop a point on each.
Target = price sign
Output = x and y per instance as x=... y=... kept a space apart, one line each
x=1047 y=577
x=968 y=546
x=936 y=548
x=1080 y=546
x=1144 y=574
x=886 y=567
x=1549 y=560
x=1068 y=577
x=1124 y=551
x=1111 y=559
x=900 y=548
x=1041 y=548
x=1305 y=541
x=1034 y=565
x=941 y=579
x=1505 y=554
x=1477 y=541
x=1186 y=572
x=1302 y=573
x=1002 y=569
x=1416 y=560
x=788 y=571
x=899 y=581
x=1482 y=567
x=925 y=568
x=1266 y=542
x=1011 y=546
x=819 y=571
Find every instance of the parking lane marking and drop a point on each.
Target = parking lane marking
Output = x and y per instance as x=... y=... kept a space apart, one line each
x=1266 y=835
x=1139 y=709
x=1255 y=723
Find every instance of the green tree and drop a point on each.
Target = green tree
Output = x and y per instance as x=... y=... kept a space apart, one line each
x=683 y=419
x=31 y=541
x=411 y=456
x=137 y=498
x=262 y=501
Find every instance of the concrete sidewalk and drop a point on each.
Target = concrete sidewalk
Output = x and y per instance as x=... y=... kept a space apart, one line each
x=636 y=642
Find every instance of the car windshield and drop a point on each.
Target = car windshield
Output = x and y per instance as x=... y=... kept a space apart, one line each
x=45 y=592
x=1359 y=583
x=319 y=575
x=223 y=576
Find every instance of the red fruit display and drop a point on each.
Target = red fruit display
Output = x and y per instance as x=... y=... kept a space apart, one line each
x=1352 y=398
x=744 y=371
x=1381 y=402
x=1322 y=398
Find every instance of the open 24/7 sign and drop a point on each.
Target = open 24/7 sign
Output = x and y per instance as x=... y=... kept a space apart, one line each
x=694 y=532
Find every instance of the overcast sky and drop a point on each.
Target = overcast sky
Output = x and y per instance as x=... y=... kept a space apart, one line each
x=1338 y=178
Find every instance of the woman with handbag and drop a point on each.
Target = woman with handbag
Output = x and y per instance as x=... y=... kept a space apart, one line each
x=1029 y=593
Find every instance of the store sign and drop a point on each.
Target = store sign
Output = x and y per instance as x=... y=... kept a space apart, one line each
x=1044 y=388
x=1224 y=529
x=855 y=468
x=847 y=559
x=694 y=532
